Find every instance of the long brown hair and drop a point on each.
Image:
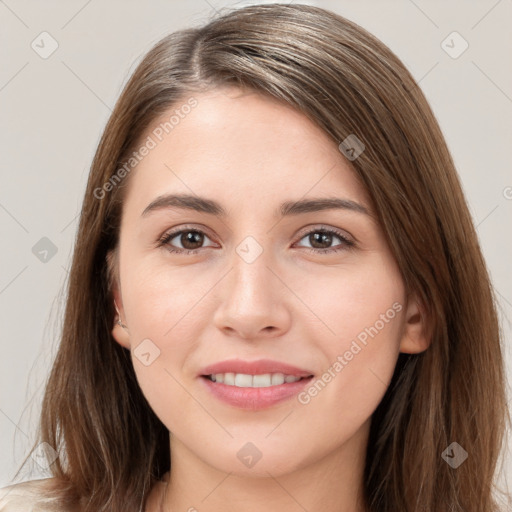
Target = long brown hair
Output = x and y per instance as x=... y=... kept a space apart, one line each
x=113 y=448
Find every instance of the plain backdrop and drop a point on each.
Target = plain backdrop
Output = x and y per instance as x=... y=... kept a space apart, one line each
x=54 y=108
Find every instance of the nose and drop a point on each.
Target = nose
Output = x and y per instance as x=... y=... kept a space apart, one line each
x=253 y=300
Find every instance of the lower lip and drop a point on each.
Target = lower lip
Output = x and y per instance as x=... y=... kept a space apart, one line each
x=255 y=398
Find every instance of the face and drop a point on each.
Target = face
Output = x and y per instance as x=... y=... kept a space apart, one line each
x=244 y=279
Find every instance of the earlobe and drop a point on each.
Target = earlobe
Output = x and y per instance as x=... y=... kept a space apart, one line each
x=119 y=331
x=415 y=338
x=121 y=335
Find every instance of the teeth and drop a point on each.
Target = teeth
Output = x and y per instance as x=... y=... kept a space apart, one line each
x=278 y=378
x=243 y=380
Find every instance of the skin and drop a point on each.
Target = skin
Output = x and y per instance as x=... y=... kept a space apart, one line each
x=251 y=153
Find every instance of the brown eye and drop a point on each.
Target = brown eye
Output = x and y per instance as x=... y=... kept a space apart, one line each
x=191 y=239
x=321 y=241
x=184 y=241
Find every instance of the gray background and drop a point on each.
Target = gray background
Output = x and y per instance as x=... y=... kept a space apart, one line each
x=54 y=110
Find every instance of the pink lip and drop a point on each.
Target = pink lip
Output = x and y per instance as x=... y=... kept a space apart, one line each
x=254 y=398
x=258 y=367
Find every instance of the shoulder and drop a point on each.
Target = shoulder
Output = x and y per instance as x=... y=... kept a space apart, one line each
x=27 y=496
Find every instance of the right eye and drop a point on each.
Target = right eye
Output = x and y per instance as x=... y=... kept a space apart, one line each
x=189 y=239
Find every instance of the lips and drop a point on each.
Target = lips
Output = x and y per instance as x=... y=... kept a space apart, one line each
x=243 y=393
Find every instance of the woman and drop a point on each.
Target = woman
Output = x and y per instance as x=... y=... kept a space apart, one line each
x=277 y=286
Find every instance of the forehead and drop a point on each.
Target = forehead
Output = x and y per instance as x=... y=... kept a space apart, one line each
x=243 y=148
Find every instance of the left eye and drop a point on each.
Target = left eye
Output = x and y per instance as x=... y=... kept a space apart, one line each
x=326 y=236
x=192 y=239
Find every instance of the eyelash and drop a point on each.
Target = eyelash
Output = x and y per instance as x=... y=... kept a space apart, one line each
x=346 y=243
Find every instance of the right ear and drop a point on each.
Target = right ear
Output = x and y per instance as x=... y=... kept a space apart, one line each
x=119 y=332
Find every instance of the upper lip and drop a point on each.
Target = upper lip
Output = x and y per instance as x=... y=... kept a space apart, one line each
x=259 y=367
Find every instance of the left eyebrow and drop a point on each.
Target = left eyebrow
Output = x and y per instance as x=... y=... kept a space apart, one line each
x=204 y=205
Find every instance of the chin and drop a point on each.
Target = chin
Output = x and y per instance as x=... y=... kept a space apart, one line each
x=258 y=459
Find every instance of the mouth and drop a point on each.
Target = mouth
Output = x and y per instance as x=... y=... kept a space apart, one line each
x=254 y=385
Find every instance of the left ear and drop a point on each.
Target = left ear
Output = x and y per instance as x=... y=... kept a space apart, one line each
x=415 y=338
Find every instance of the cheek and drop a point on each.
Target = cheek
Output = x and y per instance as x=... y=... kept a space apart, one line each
x=159 y=299
x=354 y=302
x=165 y=313
x=362 y=315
